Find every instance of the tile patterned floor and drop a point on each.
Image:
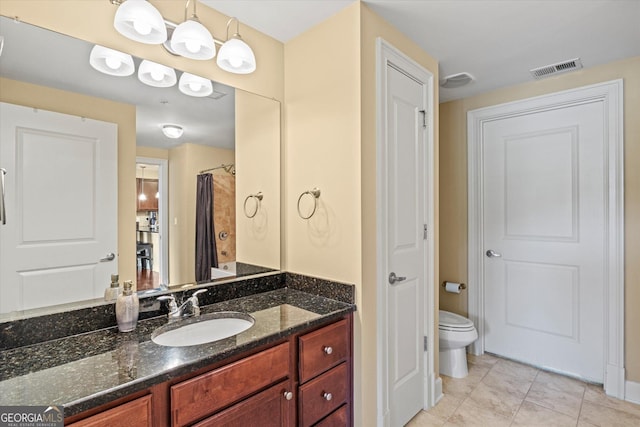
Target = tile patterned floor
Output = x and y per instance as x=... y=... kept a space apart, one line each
x=499 y=392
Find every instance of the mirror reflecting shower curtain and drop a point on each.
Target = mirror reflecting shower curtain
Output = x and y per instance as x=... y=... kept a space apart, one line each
x=206 y=254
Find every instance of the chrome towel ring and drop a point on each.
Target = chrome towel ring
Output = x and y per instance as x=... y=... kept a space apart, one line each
x=316 y=194
x=258 y=196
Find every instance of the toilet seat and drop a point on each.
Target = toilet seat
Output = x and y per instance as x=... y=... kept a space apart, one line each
x=454 y=322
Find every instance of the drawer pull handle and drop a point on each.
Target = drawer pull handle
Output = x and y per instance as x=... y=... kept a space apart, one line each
x=288 y=395
x=327 y=350
x=327 y=396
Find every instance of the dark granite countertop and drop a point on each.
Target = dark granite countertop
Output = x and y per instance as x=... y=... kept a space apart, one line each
x=87 y=370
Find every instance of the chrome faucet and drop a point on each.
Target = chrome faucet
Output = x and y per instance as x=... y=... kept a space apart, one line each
x=191 y=307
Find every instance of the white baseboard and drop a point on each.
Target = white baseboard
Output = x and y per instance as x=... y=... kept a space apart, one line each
x=632 y=392
x=437 y=390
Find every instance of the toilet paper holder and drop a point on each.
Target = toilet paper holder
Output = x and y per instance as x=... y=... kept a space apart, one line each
x=462 y=285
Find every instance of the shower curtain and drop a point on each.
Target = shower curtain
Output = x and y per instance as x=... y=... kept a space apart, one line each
x=206 y=254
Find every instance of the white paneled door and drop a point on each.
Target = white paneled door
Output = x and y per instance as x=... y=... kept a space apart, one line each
x=59 y=243
x=405 y=167
x=544 y=220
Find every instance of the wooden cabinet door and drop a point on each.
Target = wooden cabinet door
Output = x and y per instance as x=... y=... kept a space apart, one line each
x=270 y=408
x=203 y=395
x=149 y=189
x=136 y=413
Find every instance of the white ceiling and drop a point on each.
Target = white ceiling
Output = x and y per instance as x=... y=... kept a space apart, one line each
x=496 y=41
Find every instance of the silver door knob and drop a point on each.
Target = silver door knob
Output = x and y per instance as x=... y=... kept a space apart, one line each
x=288 y=395
x=393 y=278
x=327 y=396
x=328 y=350
x=493 y=254
x=110 y=257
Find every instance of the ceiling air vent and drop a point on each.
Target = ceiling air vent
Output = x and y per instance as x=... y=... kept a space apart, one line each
x=560 y=67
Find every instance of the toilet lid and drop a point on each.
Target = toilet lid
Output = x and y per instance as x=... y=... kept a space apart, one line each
x=454 y=321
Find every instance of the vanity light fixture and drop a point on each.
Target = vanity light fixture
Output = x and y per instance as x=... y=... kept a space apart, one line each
x=193 y=85
x=157 y=75
x=142 y=197
x=112 y=62
x=191 y=39
x=172 y=131
x=139 y=20
x=235 y=55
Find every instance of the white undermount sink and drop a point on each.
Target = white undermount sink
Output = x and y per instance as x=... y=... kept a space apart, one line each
x=202 y=329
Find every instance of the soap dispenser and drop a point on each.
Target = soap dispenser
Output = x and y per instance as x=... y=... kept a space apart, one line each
x=127 y=306
x=112 y=292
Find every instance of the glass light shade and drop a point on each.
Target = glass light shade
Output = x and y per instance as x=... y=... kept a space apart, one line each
x=112 y=62
x=172 y=131
x=193 y=85
x=157 y=75
x=192 y=40
x=139 y=20
x=236 y=57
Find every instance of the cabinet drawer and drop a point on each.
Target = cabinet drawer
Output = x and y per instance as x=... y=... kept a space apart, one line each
x=321 y=396
x=339 y=418
x=136 y=413
x=198 y=397
x=322 y=349
x=269 y=408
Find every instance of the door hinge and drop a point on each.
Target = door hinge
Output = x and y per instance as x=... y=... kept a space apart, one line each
x=426 y=343
x=424 y=118
x=424 y=233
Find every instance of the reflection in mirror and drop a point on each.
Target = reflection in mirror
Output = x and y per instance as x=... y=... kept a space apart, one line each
x=226 y=131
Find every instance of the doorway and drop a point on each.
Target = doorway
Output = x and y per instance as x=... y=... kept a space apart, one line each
x=545 y=232
x=152 y=252
x=405 y=212
x=58 y=207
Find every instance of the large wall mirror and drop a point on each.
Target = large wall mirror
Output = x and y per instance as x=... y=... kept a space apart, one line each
x=229 y=143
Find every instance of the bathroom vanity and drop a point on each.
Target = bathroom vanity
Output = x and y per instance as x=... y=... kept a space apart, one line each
x=292 y=367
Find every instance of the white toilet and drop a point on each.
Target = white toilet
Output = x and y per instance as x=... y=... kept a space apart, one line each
x=456 y=333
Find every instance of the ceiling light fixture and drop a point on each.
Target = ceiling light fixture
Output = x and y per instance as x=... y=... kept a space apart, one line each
x=172 y=131
x=157 y=75
x=191 y=39
x=456 y=80
x=139 y=20
x=142 y=197
x=112 y=62
x=235 y=55
x=193 y=85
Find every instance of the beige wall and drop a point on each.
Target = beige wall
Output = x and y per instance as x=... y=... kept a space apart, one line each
x=322 y=149
x=124 y=115
x=153 y=152
x=453 y=189
x=330 y=117
x=258 y=166
x=185 y=161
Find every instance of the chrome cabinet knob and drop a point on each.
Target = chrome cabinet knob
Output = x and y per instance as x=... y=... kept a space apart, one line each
x=288 y=395
x=327 y=350
x=327 y=396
